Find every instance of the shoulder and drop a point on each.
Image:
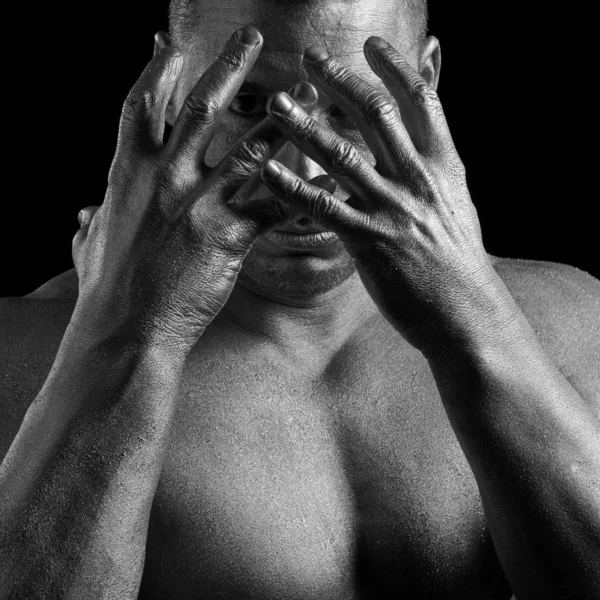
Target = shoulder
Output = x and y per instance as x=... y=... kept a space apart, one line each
x=36 y=319
x=31 y=330
x=48 y=309
x=562 y=304
x=540 y=277
x=64 y=286
x=552 y=294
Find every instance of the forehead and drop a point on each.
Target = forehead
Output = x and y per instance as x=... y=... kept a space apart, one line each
x=289 y=27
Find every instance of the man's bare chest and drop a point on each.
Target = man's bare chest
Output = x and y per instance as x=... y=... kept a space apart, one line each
x=347 y=483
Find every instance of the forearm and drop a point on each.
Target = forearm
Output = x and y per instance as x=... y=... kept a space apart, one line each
x=534 y=447
x=77 y=484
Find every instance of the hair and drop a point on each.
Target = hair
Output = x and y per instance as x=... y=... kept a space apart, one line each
x=181 y=15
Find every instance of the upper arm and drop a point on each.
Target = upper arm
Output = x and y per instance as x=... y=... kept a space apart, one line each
x=562 y=304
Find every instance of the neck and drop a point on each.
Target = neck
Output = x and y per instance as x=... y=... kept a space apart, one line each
x=319 y=324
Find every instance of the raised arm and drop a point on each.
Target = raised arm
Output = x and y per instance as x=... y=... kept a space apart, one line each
x=531 y=438
x=156 y=262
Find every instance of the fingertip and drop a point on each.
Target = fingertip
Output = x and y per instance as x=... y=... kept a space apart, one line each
x=172 y=52
x=305 y=93
x=376 y=43
x=162 y=39
x=316 y=53
x=249 y=35
x=280 y=103
x=270 y=171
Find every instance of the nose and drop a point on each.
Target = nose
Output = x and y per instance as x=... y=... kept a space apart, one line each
x=297 y=162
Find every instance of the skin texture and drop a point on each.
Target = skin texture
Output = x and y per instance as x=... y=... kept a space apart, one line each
x=379 y=434
x=288 y=29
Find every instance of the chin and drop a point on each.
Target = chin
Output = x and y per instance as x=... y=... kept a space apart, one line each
x=295 y=274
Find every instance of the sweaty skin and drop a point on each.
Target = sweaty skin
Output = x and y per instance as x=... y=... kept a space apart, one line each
x=312 y=451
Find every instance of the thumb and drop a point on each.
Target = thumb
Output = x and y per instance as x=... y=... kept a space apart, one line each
x=84 y=217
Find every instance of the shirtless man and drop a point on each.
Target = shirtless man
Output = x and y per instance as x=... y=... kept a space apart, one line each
x=208 y=409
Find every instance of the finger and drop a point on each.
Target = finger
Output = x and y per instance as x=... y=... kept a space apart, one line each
x=374 y=111
x=314 y=201
x=210 y=98
x=242 y=163
x=419 y=103
x=342 y=160
x=276 y=213
x=143 y=116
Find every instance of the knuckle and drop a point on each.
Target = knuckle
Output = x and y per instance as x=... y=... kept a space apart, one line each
x=335 y=74
x=344 y=155
x=304 y=126
x=380 y=111
x=424 y=95
x=320 y=204
x=139 y=102
x=173 y=170
x=249 y=155
x=203 y=109
x=175 y=176
x=457 y=171
x=232 y=59
x=294 y=188
x=170 y=175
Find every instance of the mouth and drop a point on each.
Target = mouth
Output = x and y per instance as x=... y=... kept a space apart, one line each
x=303 y=234
x=302 y=241
x=303 y=226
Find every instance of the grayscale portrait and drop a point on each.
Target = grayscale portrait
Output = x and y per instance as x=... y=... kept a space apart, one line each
x=282 y=363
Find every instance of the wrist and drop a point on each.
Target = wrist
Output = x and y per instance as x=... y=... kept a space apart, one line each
x=503 y=337
x=108 y=331
x=491 y=320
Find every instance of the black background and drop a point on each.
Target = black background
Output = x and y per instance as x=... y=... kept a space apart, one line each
x=515 y=87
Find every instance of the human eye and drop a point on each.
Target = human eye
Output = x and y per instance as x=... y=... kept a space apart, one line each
x=249 y=105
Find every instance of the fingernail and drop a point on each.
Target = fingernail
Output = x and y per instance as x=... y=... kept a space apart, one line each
x=80 y=216
x=248 y=35
x=304 y=92
x=377 y=42
x=282 y=104
x=271 y=170
x=316 y=53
